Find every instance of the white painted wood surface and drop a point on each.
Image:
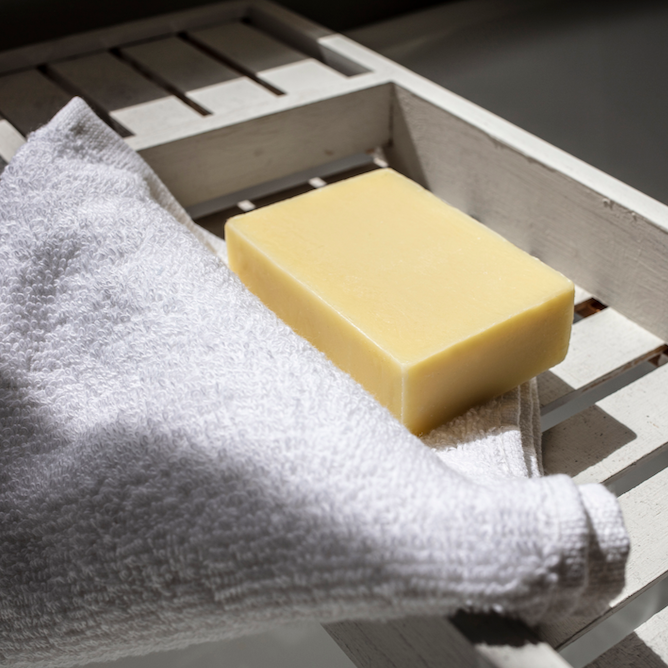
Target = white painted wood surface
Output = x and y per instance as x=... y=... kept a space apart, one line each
x=645 y=510
x=646 y=648
x=601 y=344
x=614 y=435
x=129 y=98
x=196 y=75
x=28 y=99
x=271 y=61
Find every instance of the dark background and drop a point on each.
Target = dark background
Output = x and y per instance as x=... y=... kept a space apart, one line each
x=28 y=21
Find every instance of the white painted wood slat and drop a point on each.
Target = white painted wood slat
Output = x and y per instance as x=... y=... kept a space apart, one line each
x=617 y=433
x=270 y=60
x=10 y=140
x=132 y=100
x=28 y=99
x=646 y=647
x=600 y=344
x=645 y=510
x=208 y=82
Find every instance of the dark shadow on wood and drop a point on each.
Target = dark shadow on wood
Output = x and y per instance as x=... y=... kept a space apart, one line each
x=46 y=100
x=551 y=388
x=632 y=652
x=583 y=441
x=428 y=642
x=215 y=222
x=493 y=629
x=401 y=152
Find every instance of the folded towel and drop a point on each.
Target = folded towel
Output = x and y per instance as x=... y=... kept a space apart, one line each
x=178 y=466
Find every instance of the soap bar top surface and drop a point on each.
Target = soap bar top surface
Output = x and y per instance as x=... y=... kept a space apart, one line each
x=414 y=274
x=429 y=310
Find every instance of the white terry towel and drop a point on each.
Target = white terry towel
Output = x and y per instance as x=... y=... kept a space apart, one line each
x=177 y=465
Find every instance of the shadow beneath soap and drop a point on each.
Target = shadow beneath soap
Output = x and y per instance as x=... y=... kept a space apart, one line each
x=551 y=388
x=614 y=642
x=583 y=441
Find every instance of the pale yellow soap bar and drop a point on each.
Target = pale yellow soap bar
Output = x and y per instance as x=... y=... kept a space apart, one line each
x=429 y=310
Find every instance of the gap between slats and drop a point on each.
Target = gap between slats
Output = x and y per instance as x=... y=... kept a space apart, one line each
x=629 y=453
x=166 y=104
x=220 y=55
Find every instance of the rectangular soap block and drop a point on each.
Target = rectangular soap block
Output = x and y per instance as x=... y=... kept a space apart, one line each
x=431 y=311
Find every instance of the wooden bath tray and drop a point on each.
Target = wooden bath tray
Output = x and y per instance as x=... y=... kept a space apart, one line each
x=240 y=103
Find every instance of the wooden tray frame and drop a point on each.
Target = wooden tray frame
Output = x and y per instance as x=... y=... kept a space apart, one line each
x=609 y=238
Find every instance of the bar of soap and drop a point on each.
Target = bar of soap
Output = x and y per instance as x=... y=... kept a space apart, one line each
x=429 y=310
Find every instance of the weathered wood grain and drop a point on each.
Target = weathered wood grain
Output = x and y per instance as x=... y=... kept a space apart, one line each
x=647 y=647
x=428 y=642
x=467 y=641
x=548 y=212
